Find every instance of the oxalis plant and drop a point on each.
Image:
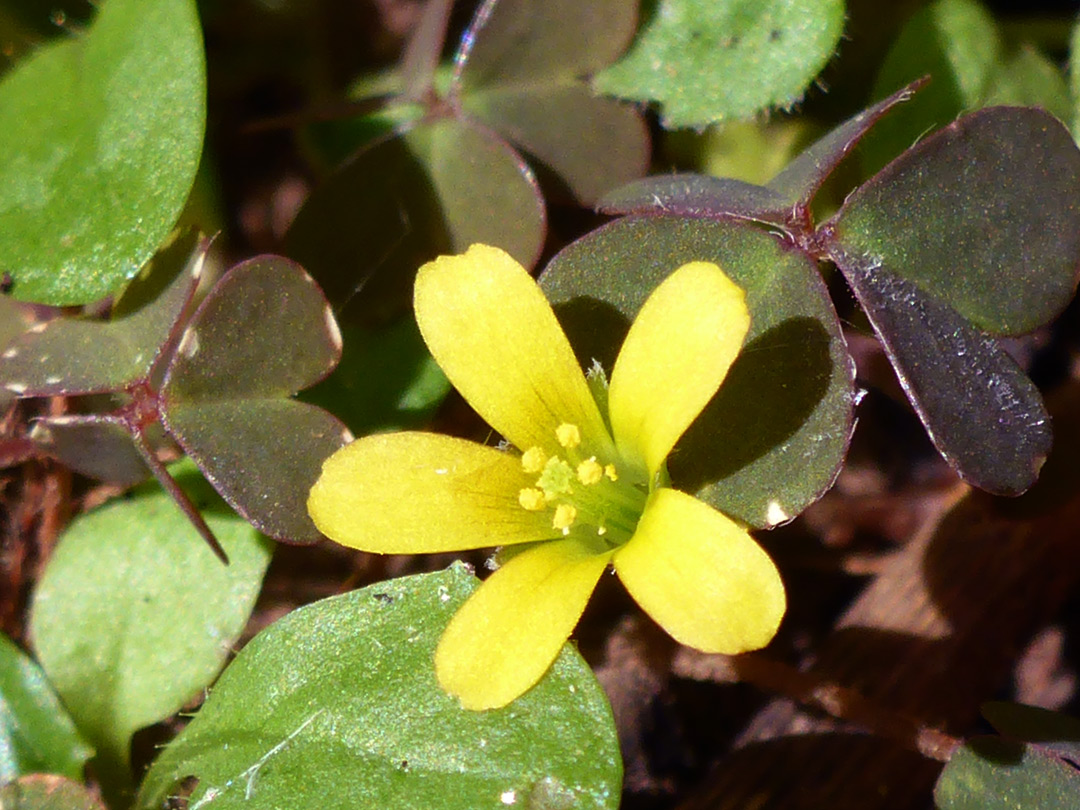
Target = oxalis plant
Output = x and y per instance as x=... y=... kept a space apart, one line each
x=670 y=383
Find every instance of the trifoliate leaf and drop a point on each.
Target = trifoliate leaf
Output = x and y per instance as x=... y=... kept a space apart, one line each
x=263 y=333
x=773 y=438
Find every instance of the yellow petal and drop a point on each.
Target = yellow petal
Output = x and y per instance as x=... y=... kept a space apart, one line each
x=493 y=333
x=676 y=354
x=507 y=634
x=701 y=576
x=406 y=493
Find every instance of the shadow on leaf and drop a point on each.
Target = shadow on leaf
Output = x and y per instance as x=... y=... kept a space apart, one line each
x=778 y=379
x=775 y=384
x=363 y=233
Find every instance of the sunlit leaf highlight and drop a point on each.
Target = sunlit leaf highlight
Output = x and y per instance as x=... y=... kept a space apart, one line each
x=133 y=617
x=100 y=138
x=350 y=714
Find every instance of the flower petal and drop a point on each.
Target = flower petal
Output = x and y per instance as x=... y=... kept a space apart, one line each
x=701 y=576
x=676 y=354
x=493 y=333
x=412 y=493
x=504 y=638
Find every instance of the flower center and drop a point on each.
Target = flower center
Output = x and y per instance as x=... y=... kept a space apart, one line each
x=580 y=491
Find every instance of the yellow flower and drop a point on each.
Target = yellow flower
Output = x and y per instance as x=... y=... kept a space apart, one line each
x=590 y=480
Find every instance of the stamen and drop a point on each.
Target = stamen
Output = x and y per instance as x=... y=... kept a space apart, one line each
x=569 y=435
x=533 y=460
x=590 y=472
x=564 y=518
x=532 y=499
x=576 y=492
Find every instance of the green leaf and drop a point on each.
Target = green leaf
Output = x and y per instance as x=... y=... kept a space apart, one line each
x=706 y=61
x=1030 y=79
x=100 y=137
x=521 y=73
x=263 y=333
x=993 y=194
x=81 y=356
x=386 y=380
x=133 y=616
x=349 y=714
x=992 y=774
x=435 y=189
x=773 y=438
x=47 y=792
x=955 y=42
x=36 y=734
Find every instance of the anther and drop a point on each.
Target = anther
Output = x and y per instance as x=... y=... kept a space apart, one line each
x=609 y=471
x=565 y=515
x=532 y=499
x=590 y=472
x=533 y=460
x=569 y=435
